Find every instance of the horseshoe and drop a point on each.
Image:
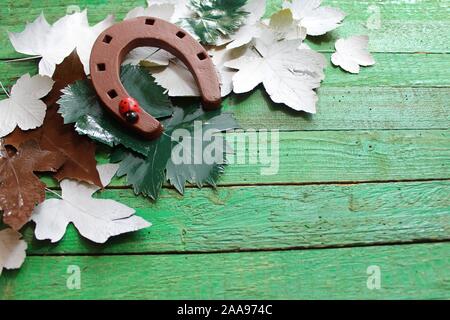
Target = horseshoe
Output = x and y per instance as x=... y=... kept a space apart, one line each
x=116 y=42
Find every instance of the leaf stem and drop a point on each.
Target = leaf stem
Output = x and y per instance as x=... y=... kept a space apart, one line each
x=23 y=59
x=4 y=90
x=53 y=192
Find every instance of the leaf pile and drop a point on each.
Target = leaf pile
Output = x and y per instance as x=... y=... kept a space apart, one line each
x=147 y=164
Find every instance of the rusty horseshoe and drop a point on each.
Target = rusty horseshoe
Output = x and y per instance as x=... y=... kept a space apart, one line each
x=116 y=42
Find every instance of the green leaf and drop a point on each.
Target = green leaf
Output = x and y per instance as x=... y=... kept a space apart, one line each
x=142 y=86
x=215 y=18
x=148 y=173
x=80 y=105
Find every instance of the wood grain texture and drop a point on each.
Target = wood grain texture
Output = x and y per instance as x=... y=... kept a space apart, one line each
x=389 y=123
x=269 y=217
x=407 y=272
x=402 y=27
x=351 y=108
x=350 y=156
x=390 y=70
x=307 y=157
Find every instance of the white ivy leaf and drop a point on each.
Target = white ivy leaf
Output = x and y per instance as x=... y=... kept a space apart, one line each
x=56 y=42
x=252 y=27
x=289 y=74
x=12 y=249
x=352 y=53
x=316 y=19
x=24 y=108
x=95 y=219
x=284 y=26
x=176 y=79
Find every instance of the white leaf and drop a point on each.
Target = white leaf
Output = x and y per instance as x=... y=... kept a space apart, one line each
x=282 y=23
x=316 y=19
x=176 y=79
x=162 y=11
x=56 y=42
x=181 y=8
x=289 y=74
x=352 y=53
x=149 y=57
x=95 y=219
x=12 y=250
x=252 y=26
x=24 y=107
x=220 y=56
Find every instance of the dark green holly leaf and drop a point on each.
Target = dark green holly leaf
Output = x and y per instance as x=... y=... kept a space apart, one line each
x=80 y=105
x=215 y=18
x=184 y=132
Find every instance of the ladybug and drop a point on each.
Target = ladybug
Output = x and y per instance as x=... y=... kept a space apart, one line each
x=128 y=105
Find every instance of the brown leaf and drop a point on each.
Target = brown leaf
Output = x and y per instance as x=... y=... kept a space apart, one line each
x=54 y=135
x=20 y=189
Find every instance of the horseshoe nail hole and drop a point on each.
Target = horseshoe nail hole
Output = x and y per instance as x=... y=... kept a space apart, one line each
x=112 y=93
x=107 y=39
x=150 y=22
x=101 y=67
x=202 y=56
x=181 y=34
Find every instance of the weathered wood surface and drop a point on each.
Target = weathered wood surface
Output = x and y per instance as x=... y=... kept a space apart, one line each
x=393 y=26
x=369 y=172
x=269 y=217
x=408 y=272
x=391 y=70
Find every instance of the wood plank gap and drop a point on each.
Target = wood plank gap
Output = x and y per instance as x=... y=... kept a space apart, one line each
x=256 y=250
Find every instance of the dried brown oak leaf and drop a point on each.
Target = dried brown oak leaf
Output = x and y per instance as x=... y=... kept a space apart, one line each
x=20 y=189
x=54 y=135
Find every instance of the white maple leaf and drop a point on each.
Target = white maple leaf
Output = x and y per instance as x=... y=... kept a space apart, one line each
x=289 y=73
x=176 y=79
x=179 y=81
x=150 y=56
x=95 y=219
x=283 y=24
x=352 y=53
x=316 y=19
x=24 y=108
x=220 y=56
x=163 y=11
x=181 y=8
x=12 y=249
x=252 y=27
x=55 y=42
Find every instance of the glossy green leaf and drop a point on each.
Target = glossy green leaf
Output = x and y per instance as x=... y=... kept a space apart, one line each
x=80 y=105
x=215 y=18
x=148 y=173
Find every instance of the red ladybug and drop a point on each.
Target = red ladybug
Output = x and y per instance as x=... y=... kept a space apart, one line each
x=128 y=105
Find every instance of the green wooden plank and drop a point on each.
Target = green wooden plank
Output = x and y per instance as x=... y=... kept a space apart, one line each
x=339 y=156
x=391 y=70
x=282 y=217
x=350 y=156
x=402 y=26
x=406 y=272
x=351 y=108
